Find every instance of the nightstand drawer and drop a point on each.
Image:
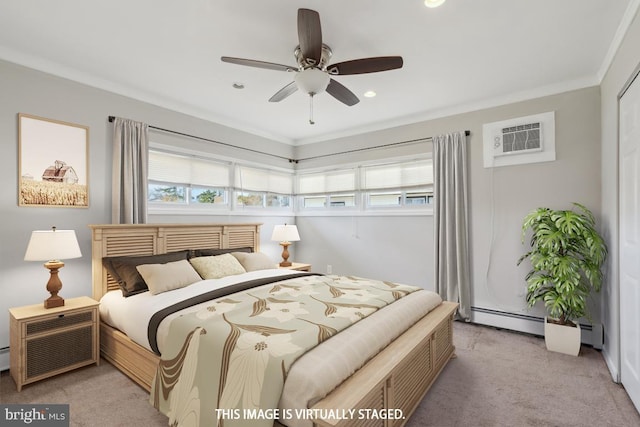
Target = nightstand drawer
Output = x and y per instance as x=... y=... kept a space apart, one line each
x=58 y=322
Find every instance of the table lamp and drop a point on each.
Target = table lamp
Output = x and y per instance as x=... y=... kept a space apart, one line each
x=285 y=234
x=52 y=246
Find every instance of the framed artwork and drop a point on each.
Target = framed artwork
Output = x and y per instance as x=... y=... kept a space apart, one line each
x=53 y=159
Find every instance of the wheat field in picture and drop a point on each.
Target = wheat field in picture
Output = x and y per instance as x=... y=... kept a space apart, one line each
x=52 y=193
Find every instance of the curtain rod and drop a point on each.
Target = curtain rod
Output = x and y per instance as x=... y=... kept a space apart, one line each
x=412 y=141
x=112 y=118
x=392 y=144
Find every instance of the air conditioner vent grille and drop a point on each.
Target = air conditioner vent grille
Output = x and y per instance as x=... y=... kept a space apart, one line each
x=521 y=137
x=519 y=140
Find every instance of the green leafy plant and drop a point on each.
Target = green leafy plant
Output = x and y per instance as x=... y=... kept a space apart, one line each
x=566 y=257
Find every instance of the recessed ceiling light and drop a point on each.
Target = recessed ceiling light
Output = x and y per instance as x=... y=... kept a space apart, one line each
x=238 y=86
x=433 y=3
x=369 y=94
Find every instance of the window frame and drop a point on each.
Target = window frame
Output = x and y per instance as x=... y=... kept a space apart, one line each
x=362 y=196
x=230 y=194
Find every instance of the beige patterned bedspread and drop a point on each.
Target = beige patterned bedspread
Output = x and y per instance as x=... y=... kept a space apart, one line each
x=226 y=364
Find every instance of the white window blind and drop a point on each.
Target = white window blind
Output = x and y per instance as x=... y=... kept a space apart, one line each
x=254 y=179
x=399 y=175
x=165 y=167
x=327 y=182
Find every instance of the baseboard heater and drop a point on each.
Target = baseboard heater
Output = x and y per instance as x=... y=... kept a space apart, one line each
x=591 y=334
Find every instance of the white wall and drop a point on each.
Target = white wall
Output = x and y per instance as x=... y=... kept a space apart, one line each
x=626 y=60
x=398 y=248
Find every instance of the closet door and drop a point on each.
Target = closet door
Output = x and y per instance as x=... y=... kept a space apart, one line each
x=629 y=239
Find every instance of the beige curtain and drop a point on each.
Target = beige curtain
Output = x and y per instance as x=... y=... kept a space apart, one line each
x=451 y=220
x=130 y=164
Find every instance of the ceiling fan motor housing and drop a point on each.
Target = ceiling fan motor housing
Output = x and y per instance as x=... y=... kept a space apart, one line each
x=305 y=63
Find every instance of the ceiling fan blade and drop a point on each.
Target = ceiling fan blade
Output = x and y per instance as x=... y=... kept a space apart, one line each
x=310 y=35
x=341 y=93
x=365 y=65
x=258 y=64
x=284 y=92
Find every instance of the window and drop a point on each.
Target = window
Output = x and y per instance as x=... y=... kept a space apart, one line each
x=400 y=185
x=385 y=199
x=185 y=181
x=399 y=198
x=177 y=182
x=201 y=195
x=331 y=189
x=182 y=180
x=314 y=201
x=263 y=187
x=342 y=200
x=166 y=193
x=278 y=200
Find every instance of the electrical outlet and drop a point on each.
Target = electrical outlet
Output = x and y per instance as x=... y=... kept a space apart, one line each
x=329 y=269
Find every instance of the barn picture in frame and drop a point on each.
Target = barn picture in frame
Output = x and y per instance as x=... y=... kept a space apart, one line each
x=53 y=159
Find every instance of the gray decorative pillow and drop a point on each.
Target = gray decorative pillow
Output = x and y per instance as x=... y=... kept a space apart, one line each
x=254 y=261
x=216 y=267
x=166 y=277
x=124 y=272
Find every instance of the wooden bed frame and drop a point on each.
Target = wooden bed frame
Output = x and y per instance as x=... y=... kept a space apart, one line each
x=397 y=378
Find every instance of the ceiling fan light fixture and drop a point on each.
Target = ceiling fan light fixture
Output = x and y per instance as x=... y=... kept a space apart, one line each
x=433 y=3
x=370 y=94
x=312 y=81
x=313 y=75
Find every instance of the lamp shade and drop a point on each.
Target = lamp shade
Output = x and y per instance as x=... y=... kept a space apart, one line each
x=285 y=233
x=46 y=245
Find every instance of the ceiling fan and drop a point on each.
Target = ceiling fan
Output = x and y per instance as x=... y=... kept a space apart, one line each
x=313 y=72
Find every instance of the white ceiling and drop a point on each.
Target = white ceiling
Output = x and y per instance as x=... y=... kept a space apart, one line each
x=463 y=55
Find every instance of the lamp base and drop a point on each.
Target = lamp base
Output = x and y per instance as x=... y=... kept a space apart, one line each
x=285 y=254
x=54 y=285
x=54 y=301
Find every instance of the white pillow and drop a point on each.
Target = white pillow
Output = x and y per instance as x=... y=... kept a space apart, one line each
x=218 y=266
x=165 y=277
x=254 y=261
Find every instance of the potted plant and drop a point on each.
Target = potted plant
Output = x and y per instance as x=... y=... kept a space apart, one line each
x=566 y=257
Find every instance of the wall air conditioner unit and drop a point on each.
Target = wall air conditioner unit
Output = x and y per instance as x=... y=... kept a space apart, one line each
x=518 y=139
x=529 y=139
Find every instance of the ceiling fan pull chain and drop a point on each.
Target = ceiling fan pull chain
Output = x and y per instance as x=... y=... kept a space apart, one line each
x=311 y=122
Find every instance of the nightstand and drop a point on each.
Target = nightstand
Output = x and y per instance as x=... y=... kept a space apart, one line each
x=46 y=342
x=297 y=266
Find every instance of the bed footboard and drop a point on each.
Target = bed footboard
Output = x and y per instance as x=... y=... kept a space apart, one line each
x=397 y=378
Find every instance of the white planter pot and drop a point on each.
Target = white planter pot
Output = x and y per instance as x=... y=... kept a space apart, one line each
x=562 y=339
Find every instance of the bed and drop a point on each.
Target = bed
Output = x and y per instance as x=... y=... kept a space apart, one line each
x=384 y=391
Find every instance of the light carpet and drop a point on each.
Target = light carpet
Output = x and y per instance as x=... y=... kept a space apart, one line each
x=499 y=378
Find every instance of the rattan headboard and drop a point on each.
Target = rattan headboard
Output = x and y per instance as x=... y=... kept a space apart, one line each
x=153 y=239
